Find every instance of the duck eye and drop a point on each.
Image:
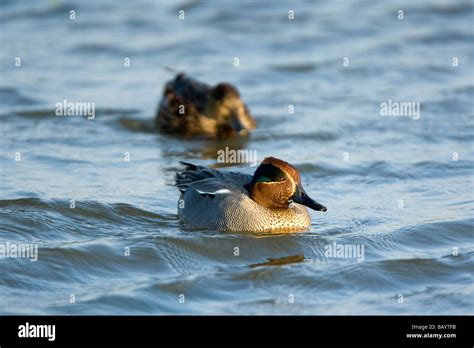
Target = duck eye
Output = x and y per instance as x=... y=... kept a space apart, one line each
x=269 y=173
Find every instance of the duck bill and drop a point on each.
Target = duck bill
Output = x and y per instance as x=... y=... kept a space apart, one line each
x=240 y=123
x=302 y=198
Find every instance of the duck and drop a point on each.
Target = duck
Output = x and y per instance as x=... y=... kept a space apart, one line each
x=271 y=200
x=191 y=109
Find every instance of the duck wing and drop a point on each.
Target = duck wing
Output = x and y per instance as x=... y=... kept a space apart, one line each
x=207 y=180
x=188 y=91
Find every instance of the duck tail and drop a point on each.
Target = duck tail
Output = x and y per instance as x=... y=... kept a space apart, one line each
x=193 y=173
x=174 y=71
x=189 y=166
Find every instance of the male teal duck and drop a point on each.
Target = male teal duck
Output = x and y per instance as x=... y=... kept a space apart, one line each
x=273 y=199
x=190 y=108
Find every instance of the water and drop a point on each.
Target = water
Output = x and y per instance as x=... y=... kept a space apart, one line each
x=390 y=183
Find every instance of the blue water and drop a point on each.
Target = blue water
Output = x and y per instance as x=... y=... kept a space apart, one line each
x=401 y=187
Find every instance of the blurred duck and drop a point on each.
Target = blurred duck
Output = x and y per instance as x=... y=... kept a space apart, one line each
x=190 y=108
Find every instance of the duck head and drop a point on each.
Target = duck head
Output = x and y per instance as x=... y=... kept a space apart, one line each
x=226 y=107
x=277 y=184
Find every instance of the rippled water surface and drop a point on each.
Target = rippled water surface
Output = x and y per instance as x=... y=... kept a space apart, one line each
x=401 y=188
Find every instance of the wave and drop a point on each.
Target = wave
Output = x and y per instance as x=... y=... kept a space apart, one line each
x=11 y=96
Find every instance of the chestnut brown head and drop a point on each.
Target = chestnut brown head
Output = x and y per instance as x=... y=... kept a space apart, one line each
x=277 y=184
x=225 y=106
